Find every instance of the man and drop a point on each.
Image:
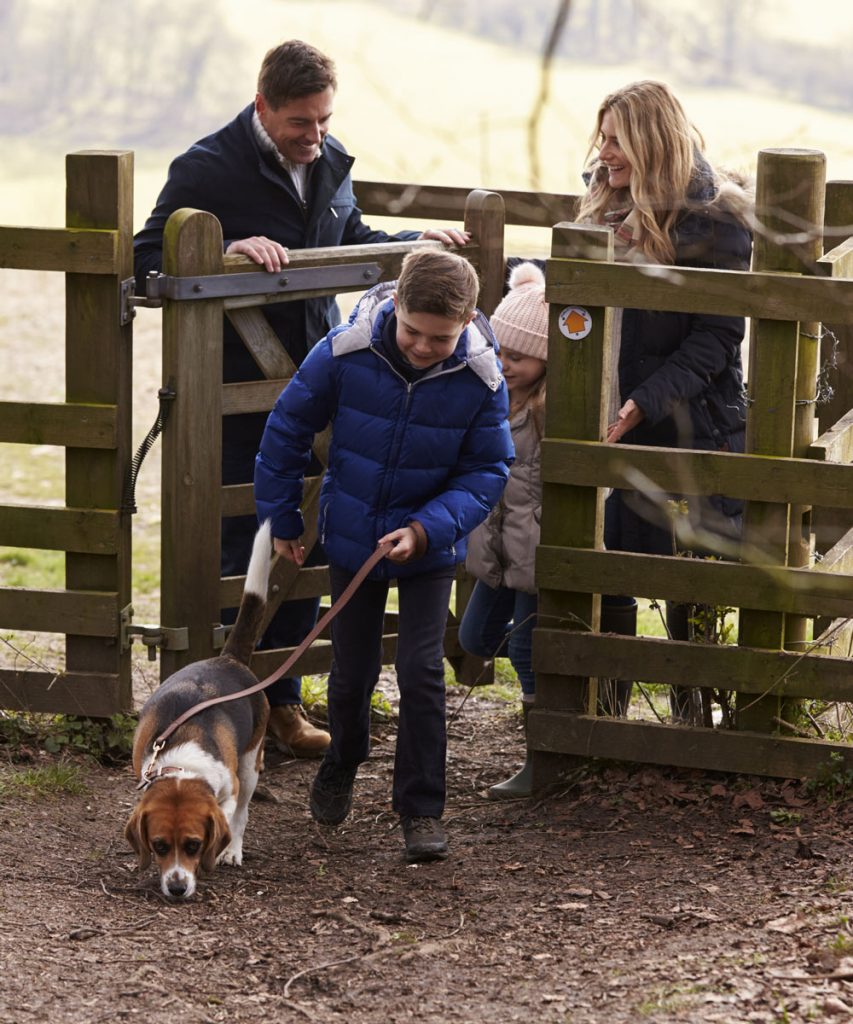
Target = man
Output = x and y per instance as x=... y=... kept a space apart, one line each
x=276 y=180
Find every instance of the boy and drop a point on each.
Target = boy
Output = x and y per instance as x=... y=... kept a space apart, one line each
x=420 y=453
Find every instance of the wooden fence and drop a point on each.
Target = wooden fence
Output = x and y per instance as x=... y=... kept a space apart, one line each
x=783 y=475
x=793 y=484
x=95 y=250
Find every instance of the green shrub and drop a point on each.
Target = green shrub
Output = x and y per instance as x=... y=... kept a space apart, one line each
x=108 y=740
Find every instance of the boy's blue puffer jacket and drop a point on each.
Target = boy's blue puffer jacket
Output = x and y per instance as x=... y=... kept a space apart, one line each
x=437 y=450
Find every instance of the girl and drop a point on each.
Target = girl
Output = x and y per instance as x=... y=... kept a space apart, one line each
x=501 y=614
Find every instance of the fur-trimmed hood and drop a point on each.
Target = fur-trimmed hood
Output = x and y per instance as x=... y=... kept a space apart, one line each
x=722 y=192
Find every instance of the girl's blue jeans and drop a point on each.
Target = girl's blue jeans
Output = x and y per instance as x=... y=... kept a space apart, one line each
x=498 y=622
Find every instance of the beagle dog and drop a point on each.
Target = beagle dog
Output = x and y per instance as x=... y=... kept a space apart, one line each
x=194 y=809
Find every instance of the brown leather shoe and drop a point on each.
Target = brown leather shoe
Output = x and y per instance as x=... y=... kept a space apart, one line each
x=293 y=734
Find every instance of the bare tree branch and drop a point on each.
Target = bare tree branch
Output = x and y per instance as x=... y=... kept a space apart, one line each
x=559 y=23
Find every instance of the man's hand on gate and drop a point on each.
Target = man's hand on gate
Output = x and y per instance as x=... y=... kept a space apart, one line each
x=262 y=250
x=449 y=236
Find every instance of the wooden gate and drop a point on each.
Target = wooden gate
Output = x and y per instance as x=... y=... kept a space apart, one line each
x=194 y=499
x=95 y=250
x=784 y=474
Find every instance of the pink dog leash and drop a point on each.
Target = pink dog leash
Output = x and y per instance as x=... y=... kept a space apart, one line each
x=149 y=774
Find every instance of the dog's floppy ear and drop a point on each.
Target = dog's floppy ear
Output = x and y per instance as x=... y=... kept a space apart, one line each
x=217 y=835
x=136 y=833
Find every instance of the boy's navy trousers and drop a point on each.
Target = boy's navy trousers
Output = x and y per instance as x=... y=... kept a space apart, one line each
x=419 y=763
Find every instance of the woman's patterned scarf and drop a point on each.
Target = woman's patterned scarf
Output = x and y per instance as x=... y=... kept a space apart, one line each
x=625 y=223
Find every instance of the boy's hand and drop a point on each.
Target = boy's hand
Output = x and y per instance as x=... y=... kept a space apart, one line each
x=405 y=542
x=292 y=550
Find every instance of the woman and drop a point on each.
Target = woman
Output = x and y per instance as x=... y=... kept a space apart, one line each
x=679 y=381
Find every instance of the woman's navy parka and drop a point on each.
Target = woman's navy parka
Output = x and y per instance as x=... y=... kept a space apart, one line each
x=436 y=450
x=684 y=369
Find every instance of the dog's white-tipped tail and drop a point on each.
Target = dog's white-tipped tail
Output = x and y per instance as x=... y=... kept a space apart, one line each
x=258 y=573
x=245 y=634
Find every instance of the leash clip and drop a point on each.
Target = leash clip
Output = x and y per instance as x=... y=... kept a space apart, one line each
x=148 y=773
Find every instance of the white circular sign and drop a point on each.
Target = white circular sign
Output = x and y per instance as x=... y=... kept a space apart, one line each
x=575 y=322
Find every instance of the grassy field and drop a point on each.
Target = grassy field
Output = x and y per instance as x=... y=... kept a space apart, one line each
x=440 y=106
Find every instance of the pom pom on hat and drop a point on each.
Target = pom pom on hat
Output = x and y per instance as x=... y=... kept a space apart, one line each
x=526 y=273
x=520 y=322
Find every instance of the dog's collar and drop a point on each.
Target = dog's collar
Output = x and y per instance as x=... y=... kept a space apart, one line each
x=150 y=775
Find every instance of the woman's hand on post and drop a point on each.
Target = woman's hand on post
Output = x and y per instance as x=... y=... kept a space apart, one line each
x=405 y=542
x=626 y=419
x=292 y=550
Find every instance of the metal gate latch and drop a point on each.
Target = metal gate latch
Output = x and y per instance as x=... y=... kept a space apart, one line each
x=165 y=637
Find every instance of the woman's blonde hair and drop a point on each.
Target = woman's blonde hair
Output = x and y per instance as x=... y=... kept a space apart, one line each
x=661 y=146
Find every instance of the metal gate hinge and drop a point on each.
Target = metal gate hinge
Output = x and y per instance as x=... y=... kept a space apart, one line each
x=289 y=279
x=220 y=635
x=126 y=312
x=167 y=638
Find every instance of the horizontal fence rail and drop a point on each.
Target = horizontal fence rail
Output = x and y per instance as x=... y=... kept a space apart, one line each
x=77 y=425
x=680 y=663
x=79 y=612
x=771 y=296
x=689 y=471
x=71 y=250
x=83 y=530
x=439 y=202
x=779 y=588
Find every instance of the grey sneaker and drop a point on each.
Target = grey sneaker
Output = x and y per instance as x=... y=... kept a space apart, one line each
x=331 y=793
x=425 y=839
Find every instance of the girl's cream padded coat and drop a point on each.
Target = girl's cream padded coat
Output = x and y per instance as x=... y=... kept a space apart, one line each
x=501 y=550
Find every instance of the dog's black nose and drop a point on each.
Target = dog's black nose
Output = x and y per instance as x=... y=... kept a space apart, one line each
x=177 y=888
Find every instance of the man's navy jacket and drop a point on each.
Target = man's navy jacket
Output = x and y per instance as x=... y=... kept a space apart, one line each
x=229 y=175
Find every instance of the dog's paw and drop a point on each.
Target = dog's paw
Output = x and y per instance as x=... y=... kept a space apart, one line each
x=232 y=855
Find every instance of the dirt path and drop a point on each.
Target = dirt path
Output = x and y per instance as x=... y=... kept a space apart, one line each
x=630 y=895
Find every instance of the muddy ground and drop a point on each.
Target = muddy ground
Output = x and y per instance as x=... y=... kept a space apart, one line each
x=629 y=894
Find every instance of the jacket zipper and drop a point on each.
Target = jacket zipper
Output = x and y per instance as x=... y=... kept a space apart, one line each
x=323 y=527
x=401 y=421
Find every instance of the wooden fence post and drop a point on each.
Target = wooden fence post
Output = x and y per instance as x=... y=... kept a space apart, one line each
x=484 y=218
x=836 y=353
x=192 y=442
x=782 y=386
x=579 y=371
x=98 y=368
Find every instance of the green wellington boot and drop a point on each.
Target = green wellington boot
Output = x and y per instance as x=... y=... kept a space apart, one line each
x=521 y=784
